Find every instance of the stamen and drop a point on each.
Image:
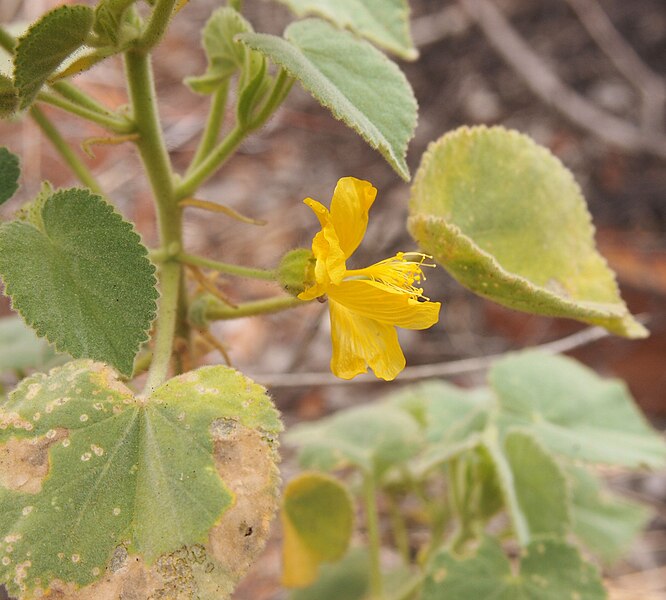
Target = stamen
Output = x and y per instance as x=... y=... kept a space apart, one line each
x=400 y=272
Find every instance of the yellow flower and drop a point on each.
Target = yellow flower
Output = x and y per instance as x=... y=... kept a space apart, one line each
x=365 y=304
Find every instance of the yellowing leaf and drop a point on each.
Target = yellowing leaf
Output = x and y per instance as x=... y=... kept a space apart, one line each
x=507 y=220
x=317 y=517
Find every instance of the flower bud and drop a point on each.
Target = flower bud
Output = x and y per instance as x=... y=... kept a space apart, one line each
x=296 y=271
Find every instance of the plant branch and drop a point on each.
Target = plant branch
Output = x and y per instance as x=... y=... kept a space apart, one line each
x=374 y=541
x=445 y=369
x=552 y=90
x=213 y=125
x=65 y=150
x=237 y=270
x=107 y=121
x=216 y=310
x=157 y=164
x=157 y=25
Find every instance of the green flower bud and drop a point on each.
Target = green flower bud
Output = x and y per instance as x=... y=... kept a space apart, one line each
x=296 y=271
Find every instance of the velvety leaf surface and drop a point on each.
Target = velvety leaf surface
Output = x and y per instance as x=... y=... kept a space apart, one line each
x=383 y=22
x=317 y=520
x=225 y=55
x=549 y=570
x=372 y=438
x=10 y=172
x=48 y=42
x=21 y=349
x=604 y=522
x=80 y=277
x=106 y=491
x=507 y=220
x=351 y=78
x=573 y=412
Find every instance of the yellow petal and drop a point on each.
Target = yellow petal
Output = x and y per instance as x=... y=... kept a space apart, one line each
x=330 y=260
x=376 y=301
x=351 y=202
x=359 y=342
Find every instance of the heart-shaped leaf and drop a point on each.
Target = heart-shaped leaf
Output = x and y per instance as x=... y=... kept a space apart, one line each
x=79 y=275
x=383 y=22
x=507 y=220
x=168 y=496
x=351 y=78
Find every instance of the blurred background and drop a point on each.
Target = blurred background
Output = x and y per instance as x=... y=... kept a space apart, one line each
x=586 y=78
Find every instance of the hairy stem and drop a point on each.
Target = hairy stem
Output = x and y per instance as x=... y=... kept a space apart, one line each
x=65 y=150
x=107 y=120
x=157 y=164
x=239 y=271
x=157 y=25
x=216 y=310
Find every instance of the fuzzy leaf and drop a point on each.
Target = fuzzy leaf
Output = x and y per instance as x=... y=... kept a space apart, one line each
x=48 y=42
x=549 y=570
x=317 y=519
x=10 y=171
x=383 y=22
x=372 y=438
x=351 y=78
x=108 y=22
x=80 y=277
x=225 y=55
x=507 y=220
x=98 y=484
x=573 y=412
x=604 y=522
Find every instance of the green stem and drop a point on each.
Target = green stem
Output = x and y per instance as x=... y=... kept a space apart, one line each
x=399 y=528
x=65 y=150
x=213 y=161
x=7 y=40
x=169 y=276
x=107 y=121
x=216 y=310
x=239 y=271
x=374 y=542
x=218 y=155
x=213 y=125
x=157 y=26
x=157 y=164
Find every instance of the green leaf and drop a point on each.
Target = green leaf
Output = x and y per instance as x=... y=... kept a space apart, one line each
x=452 y=419
x=351 y=78
x=508 y=221
x=98 y=484
x=81 y=278
x=317 y=519
x=372 y=438
x=225 y=55
x=48 y=42
x=573 y=412
x=21 y=349
x=605 y=523
x=10 y=172
x=550 y=570
x=383 y=22
x=534 y=487
x=8 y=97
x=347 y=579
